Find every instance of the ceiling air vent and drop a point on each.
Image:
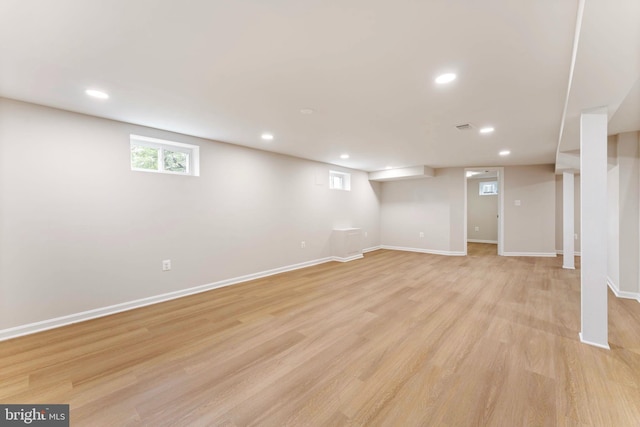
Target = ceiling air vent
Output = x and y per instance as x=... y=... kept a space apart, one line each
x=465 y=126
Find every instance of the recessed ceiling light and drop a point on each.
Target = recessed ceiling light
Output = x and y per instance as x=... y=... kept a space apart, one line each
x=504 y=152
x=266 y=136
x=487 y=129
x=97 y=93
x=445 y=78
x=306 y=111
x=344 y=156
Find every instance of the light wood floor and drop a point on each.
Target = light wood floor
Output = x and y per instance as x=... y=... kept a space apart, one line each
x=402 y=339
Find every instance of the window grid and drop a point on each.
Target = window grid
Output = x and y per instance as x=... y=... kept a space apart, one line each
x=160 y=156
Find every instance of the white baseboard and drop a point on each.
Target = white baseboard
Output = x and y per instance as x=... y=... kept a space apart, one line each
x=424 y=251
x=622 y=294
x=346 y=259
x=57 y=322
x=559 y=252
x=493 y=242
x=568 y=268
x=595 y=344
x=371 y=249
x=536 y=254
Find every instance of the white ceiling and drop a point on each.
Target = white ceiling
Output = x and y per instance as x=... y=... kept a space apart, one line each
x=607 y=68
x=231 y=70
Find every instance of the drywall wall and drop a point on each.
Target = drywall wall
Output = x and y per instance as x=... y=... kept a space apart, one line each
x=576 y=212
x=613 y=219
x=629 y=213
x=623 y=186
x=482 y=212
x=432 y=206
x=435 y=206
x=79 y=230
x=529 y=210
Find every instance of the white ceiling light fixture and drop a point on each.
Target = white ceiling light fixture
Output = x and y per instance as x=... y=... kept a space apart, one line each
x=445 y=78
x=504 y=152
x=306 y=111
x=487 y=129
x=95 y=93
x=267 y=136
x=344 y=156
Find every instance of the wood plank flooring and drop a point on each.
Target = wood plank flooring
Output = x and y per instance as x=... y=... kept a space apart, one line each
x=397 y=338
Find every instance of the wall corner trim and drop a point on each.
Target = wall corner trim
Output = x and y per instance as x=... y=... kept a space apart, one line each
x=424 y=251
x=622 y=294
x=70 y=319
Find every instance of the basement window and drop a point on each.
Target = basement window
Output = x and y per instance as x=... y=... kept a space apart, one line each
x=158 y=155
x=488 y=188
x=339 y=180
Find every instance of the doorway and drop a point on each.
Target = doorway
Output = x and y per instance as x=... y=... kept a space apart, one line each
x=483 y=207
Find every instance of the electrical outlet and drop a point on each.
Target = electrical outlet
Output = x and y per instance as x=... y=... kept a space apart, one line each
x=421 y=234
x=166 y=265
x=477 y=228
x=517 y=203
x=303 y=244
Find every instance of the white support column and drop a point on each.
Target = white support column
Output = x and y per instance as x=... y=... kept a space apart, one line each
x=593 y=210
x=568 y=227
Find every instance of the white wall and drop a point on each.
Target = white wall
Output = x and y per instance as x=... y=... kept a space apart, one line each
x=623 y=185
x=613 y=209
x=434 y=206
x=576 y=212
x=529 y=227
x=79 y=230
x=482 y=212
x=629 y=216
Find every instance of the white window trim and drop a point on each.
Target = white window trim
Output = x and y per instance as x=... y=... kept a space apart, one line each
x=193 y=151
x=346 y=180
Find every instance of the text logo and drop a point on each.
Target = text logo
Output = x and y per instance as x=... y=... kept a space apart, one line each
x=34 y=415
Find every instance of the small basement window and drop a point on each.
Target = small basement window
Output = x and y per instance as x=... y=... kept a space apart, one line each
x=158 y=155
x=488 y=188
x=339 y=180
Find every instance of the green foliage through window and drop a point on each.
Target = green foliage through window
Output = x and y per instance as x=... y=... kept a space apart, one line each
x=158 y=155
x=144 y=157
x=175 y=161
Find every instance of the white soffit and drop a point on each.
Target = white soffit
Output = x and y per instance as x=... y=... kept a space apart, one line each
x=627 y=118
x=413 y=172
x=607 y=69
